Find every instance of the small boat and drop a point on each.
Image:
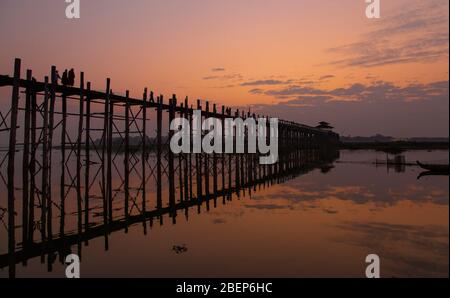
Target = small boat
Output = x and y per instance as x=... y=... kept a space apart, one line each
x=433 y=167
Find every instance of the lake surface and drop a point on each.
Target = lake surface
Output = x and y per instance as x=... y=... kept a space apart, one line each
x=320 y=224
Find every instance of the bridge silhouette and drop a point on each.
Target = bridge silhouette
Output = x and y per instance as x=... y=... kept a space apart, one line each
x=97 y=163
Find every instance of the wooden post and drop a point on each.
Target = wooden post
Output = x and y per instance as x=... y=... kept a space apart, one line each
x=237 y=161
x=186 y=156
x=215 y=161
x=230 y=159
x=144 y=155
x=159 y=152
x=25 y=162
x=172 y=105
x=198 y=163
x=62 y=183
x=79 y=138
x=104 y=142
x=190 y=158
x=207 y=159
x=32 y=163
x=109 y=160
x=44 y=161
x=127 y=158
x=180 y=164
x=11 y=160
x=223 y=150
x=87 y=147
x=51 y=127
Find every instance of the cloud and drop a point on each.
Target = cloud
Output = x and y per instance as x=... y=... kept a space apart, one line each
x=417 y=33
x=375 y=91
x=325 y=77
x=218 y=69
x=263 y=83
x=227 y=77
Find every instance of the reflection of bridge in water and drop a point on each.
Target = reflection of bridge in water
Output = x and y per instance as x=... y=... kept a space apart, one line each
x=105 y=183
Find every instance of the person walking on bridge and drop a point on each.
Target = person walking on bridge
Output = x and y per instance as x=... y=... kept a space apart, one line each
x=65 y=78
x=56 y=77
x=71 y=77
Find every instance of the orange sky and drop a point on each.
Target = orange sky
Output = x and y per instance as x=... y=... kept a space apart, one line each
x=288 y=57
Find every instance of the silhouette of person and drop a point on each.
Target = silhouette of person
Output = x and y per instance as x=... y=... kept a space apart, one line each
x=65 y=78
x=56 y=77
x=71 y=77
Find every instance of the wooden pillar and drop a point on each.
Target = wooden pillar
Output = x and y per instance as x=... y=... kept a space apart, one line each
x=191 y=191
x=215 y=160
x=159 y=152
x=11 y=160
x=144 y=152
x=62 y=184
x=127 y=159
x=186 y=155
x=238 y=157
x=109 y=160
x=180 y=163
x=32 y=163
x=230 y=159
x=44 y=175
x=223 y=150
x=87 y=147
x=198 y=163
x=79 y=163
x=51 y=128
x=25 y=161
x=206 y=158
x=104 y=161
x=172 y=105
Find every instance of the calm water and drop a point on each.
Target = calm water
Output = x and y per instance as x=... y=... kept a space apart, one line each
x=321 y=224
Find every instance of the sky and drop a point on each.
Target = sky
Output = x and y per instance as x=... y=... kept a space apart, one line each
x=299 y=60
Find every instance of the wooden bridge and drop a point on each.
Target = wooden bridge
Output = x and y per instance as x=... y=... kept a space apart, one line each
x=81 y=137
